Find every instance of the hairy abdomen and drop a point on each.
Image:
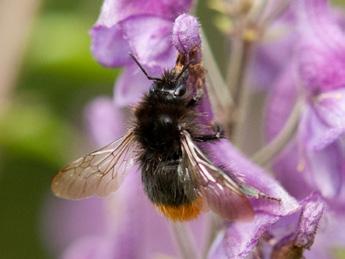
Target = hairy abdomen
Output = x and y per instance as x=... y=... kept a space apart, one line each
x=173 y=193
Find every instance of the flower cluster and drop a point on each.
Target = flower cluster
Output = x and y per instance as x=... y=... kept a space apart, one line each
x=302 y=71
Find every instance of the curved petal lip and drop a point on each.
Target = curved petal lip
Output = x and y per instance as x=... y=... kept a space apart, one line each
x=111 y=45
x=114 y=11
x=130 y=87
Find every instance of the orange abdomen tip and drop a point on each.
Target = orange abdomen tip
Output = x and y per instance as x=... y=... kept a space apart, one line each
x=182 y=212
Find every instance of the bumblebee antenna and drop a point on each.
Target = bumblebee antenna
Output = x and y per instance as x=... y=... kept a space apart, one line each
x=143 y=70
x=183 y=70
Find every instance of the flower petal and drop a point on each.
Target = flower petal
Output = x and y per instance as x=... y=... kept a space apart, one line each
x=313 y=208
x=324 y=170
x=286 y=167
x=273 y=55
x=109 y=47
x=129 y=231
x=105 y=120
x=66 y=221
x=114 y=11
x=280 y=101
x=295 y=241
x=322 y=43
x=227 y=155
x=317 y=133
x=130 y=86
x=325 y=119
x=240 y=239
x=92 y=247
x=151 y=45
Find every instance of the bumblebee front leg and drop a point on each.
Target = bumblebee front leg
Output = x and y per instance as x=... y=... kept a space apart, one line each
x=196 y=98
x=218 y=134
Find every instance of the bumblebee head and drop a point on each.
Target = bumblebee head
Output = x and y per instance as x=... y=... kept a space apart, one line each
x=171 y=85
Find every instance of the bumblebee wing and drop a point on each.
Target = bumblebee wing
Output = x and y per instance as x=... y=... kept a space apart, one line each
x=98 y=173
x=224 y=195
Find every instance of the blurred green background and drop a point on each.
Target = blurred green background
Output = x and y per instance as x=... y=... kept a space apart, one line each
x=42 y=126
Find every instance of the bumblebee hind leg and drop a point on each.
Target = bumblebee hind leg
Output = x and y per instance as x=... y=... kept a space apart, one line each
x=218 y=134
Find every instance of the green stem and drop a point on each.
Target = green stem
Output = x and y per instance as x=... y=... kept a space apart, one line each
x=283 y=5
x=236 y=79
x=234 y=68
x=215 y=78
x=17 y=18
x=183 y=238
x=215 y=223
x=220 y=96
x=267 y=153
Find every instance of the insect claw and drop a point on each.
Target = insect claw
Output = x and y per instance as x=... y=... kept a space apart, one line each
x=266 y=197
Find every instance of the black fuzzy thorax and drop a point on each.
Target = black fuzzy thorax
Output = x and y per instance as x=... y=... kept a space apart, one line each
x=159 y=122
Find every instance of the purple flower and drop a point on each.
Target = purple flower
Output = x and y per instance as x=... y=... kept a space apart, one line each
x=142 y=28
x=272 y=237
x=322 y=124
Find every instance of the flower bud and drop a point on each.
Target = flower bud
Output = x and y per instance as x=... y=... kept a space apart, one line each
x=186 y=34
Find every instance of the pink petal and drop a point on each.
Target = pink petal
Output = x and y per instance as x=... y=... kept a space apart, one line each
x=325 y=170
x=92 y=247
x=114 y=11
x=105 y=121
x=240 y=239
x=325 y=119
x=109 y=46
x=151 y=45
x=280 y=101
x=318 y=134
x=130 y=87
x=322 y=43
x=312 y=211
x=66 y=221
x=226 y=155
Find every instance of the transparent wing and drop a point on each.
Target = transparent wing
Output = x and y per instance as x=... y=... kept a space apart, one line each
x=224 y=194
x=98 y=173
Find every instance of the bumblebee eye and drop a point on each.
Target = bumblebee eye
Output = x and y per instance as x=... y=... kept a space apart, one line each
x=180 y=90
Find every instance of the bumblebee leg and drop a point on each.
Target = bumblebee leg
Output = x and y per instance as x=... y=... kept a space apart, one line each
x=218 y=134
x=193 y=102
x=196 y=98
